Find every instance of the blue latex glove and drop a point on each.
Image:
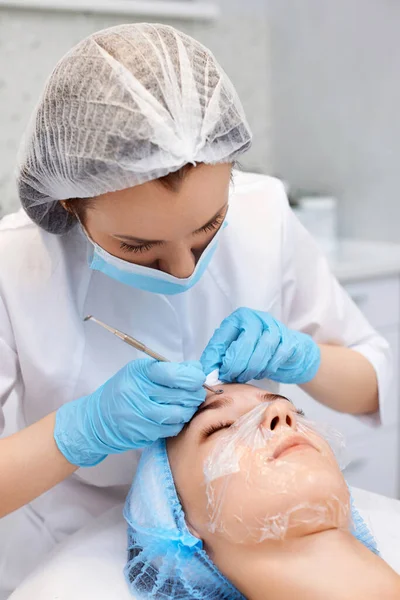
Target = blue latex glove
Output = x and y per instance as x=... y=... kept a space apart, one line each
x=144 y=401
x=251 y=344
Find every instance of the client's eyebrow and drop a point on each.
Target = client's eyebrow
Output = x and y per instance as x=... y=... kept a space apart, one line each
x=268 y=397
x=217 y=403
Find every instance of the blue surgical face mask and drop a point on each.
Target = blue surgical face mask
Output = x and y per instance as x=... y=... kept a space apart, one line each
x=145 y=278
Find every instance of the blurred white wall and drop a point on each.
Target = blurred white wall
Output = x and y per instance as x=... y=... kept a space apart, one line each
x=31 y=42
x=335 y=68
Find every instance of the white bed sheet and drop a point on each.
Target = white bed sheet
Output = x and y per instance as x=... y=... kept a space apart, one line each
x=89 y=565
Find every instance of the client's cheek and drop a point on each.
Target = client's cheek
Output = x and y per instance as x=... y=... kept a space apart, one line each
x=265 y=502
x=260 y=486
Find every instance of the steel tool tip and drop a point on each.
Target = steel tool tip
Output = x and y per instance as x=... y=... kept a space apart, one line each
x=88 y=318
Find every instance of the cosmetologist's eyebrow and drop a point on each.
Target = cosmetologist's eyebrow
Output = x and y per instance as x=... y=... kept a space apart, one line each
x=136 y=240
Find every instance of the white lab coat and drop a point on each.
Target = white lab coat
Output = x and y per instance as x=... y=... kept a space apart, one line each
x=265 y=261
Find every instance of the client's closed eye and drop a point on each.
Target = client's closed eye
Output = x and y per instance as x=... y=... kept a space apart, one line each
x=214 y=428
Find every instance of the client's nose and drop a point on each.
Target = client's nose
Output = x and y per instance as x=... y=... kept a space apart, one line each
x=279 y=414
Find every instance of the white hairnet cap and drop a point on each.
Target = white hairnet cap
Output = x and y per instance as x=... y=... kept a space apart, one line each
x=127 y=105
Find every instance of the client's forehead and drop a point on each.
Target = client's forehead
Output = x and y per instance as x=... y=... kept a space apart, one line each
x=238 y=388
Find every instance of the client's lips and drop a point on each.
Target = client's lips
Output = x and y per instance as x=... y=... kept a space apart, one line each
x=292 y=442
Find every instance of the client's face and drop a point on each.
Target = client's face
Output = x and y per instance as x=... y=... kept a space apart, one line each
x=249 y=469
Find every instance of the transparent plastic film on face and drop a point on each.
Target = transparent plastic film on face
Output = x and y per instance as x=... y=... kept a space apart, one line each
x=274 y=473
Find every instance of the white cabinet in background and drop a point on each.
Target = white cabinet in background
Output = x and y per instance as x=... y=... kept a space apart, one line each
x=373 y=452
x=378 y=299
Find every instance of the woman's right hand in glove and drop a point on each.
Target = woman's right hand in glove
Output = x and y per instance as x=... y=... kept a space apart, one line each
x=146 y=400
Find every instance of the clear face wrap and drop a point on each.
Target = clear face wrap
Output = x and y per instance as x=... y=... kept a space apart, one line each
x=284 y=464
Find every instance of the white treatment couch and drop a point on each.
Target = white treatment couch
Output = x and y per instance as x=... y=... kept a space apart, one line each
x=89 y=565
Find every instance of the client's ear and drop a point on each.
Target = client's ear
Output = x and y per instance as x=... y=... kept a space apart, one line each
x=192 y=529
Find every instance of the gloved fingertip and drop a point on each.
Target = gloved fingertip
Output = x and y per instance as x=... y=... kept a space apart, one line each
x=228 y=370
x=211 y=360
x=243 y=378
x=173 y=431
x=202 y=397
x=226 y=376
x=186 y=375
x=192 y=369
x=209 y=368
x=140 y=363
x=158 y=371
x=195 y=364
